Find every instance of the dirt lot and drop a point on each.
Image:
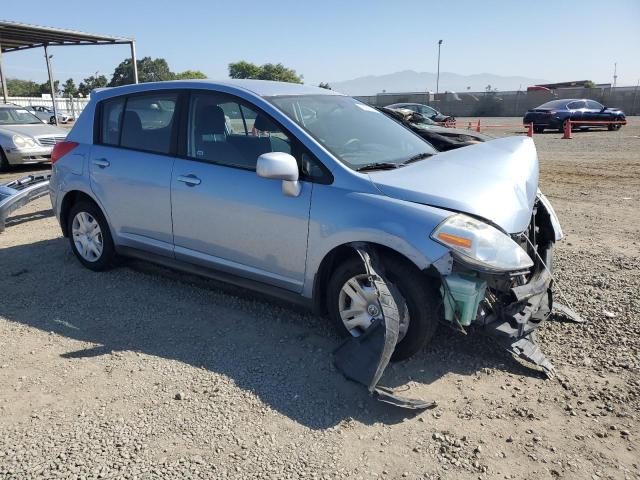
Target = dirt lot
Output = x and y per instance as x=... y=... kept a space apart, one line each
x=145 y=373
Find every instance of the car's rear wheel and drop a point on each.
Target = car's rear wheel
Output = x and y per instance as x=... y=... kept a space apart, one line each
x=353 y=303
x=90 y=237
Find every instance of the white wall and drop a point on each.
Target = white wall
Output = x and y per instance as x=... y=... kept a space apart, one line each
x=70 y=105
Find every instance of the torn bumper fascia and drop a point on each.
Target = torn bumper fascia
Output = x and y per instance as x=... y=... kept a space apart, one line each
x=514 y=326
x=18 y=193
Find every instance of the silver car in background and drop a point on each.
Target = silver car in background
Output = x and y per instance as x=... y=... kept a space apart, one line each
x=47 y=116
x=279 y=186
x=24 y=138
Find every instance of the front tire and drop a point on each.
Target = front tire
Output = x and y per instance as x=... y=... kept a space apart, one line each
x=538 y=129
x=90 y=236
x=420 y=303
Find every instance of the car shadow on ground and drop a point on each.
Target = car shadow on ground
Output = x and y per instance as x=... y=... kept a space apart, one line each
x=280 y=353
x=28 y=217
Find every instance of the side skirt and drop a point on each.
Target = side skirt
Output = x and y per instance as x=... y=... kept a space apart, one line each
x=263 y=288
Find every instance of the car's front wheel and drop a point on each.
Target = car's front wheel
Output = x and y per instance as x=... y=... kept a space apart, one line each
x=90 y=237
x=538 y=129
x=353 y=303
x=614 y=126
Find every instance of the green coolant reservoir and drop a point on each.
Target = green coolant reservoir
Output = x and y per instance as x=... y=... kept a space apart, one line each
x=463 y=297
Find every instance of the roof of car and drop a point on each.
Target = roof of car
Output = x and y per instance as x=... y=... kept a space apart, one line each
x=263 y=88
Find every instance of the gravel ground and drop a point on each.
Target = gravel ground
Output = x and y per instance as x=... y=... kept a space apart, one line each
x=142 y=372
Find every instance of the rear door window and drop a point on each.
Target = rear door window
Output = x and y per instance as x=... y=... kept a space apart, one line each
x=147 y=122
x=576 y=105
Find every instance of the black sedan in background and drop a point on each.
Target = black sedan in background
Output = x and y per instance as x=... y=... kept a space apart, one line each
x=555 y=113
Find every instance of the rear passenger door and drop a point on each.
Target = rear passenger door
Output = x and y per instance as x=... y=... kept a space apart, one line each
x=130 y=168
x=224 y=215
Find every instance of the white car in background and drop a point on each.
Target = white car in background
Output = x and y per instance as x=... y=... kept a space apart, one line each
x=46 y=114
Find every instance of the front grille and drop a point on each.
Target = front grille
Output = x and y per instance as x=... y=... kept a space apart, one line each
x=51 y=140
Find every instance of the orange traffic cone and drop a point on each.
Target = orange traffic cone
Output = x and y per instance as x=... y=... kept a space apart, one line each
x=478 y=126
x=567 y=130
x=530 y=130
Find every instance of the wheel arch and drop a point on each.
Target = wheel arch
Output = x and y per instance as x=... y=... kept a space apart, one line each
x=342 y=252
x=69 y=200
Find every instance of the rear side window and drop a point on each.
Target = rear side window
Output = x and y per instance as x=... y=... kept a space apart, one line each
x=576 y=105
x=147 y=122
x=111 y=115
x=140 y=122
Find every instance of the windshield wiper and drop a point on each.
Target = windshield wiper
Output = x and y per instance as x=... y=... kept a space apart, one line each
x=378 y=166
x=417 y=158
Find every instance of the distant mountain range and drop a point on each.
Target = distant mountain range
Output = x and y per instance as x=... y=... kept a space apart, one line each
x=412 y=81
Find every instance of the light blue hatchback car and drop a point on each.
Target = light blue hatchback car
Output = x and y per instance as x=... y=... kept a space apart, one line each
x=270 y=185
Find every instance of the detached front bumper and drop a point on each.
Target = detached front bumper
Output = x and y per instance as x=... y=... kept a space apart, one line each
x=18 y=193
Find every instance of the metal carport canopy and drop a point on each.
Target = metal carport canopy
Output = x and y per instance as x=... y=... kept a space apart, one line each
x=16 y=36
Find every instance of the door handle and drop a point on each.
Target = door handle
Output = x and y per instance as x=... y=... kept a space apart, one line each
x=101 y=162
x=190 y=180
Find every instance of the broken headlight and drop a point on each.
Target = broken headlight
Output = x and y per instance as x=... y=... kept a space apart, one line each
x=481 y=245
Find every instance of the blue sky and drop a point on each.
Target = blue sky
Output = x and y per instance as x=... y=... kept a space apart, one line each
x=333 y=40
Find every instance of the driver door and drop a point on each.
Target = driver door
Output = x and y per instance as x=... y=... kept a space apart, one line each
x=226 y=217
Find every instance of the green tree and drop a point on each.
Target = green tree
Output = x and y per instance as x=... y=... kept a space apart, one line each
x=149 y=70
x=324 y=85
x=46 y=87
x=268 y=71
x=190 y=74
x=91 y=83
x=69 y=88
x=22 y=88
x=244 y=69
x=589 y=84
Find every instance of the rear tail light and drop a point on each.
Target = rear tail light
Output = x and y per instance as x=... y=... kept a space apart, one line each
x=60 y=149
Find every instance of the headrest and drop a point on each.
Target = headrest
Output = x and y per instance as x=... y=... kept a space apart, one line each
x=131 y=121
x=210 y=119
x=263 y=124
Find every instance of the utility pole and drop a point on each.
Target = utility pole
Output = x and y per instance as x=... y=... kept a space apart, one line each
x=438 y=76
x=51 y=83
x=615 y=74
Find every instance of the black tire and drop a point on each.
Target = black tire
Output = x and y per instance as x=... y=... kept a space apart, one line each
x=4 y=163
x=538 y=129
x=108 y=256
x=52 y=120
x=422 y=297
x=614 y=126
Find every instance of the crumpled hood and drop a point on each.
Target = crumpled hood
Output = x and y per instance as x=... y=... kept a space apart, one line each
x=495 y=180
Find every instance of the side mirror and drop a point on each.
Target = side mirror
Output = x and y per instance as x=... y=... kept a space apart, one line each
x=280 y=166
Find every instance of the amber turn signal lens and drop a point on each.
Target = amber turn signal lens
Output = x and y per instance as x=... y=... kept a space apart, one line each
x=455 y=240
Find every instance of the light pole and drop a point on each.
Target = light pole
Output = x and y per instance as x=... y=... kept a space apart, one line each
x=438 y=77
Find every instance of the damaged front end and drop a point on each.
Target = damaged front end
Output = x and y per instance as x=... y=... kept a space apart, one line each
x=510 y=305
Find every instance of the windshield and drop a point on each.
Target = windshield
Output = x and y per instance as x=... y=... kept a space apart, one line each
x=17 y=116
x=357 y=134
x=554 y=104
